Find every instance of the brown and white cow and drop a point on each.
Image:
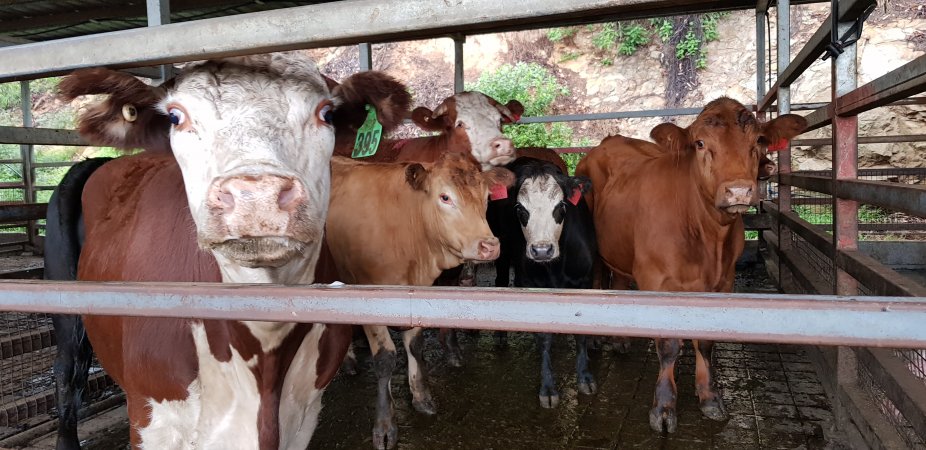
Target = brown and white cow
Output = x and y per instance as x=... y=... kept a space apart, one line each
x=403 y=224
x=247 y=182
x=669 y=217
x=468 y=122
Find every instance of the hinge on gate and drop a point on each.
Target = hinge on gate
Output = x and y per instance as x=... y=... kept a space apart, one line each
x=837 y=45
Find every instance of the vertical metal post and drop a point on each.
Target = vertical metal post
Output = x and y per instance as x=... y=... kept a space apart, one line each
x=458 y=41
x=159 y=14
x=366 y=56
x=783 y=45
x=845 y=212
x=760 y=59
x=26 y=153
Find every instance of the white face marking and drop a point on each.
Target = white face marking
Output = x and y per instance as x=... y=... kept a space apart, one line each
x=482 y=123
x=540 y=198
x=252 y=122
x=220 y=412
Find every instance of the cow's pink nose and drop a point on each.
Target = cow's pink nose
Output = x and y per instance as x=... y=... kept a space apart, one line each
x=253 y=194
x=502 y=147
x=738 y=195
x=489 y=249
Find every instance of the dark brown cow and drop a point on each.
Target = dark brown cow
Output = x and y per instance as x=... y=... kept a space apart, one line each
x=669 y=218
x=207 y=383
x=468 y=122
x=403 y=224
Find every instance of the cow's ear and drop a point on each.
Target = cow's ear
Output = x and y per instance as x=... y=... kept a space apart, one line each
x=670 y=137
x=423 y=117
x=782 y=127
x=390 y=98
x=498 y=176
x=416 y=176
x=127 y=119
x=583 y=184
x=511 y=111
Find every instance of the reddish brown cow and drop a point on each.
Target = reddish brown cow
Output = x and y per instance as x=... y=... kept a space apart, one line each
x=206 y=383
x=468 y=122
x=403 y=224
x=669 y=218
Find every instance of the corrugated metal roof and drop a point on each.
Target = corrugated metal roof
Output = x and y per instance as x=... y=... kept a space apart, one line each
x=42 y=20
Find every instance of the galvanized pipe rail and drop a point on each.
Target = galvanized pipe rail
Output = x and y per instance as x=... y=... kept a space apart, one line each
x=823 y=320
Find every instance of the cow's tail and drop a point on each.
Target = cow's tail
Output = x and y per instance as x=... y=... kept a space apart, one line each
x=390 y=98
x=63 y=241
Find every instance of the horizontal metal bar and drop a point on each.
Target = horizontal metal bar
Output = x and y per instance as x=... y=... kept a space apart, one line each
x=824 y=320
x=848 y=10
x=878 y=278
x=907 y=80
x=612 y=115
x=40 y=136
x=27 y=341
x=816 y=183
x=863 y=140
x=908 y=198
x=21 y=212
x=758 y=221
x=821 y=241
x=54 y=164
x=327 y=24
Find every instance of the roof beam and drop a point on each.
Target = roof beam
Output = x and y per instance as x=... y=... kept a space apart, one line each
x=323 y=25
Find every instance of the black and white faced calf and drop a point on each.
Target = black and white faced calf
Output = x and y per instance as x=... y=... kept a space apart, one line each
x=547 y=234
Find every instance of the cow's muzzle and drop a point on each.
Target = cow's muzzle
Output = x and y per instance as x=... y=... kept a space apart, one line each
x=258 y=220
x=487 y=249
x=736 y=196
x=542 y=251
x=502 y=151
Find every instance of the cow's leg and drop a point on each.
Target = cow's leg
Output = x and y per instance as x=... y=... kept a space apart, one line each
x=418 y=372
x=349 y=365
x=709 y=395
x=585 y=380
x=385 y=432
x=549 y=396
x=662 y=416
x=451 y=346
x=72 y=365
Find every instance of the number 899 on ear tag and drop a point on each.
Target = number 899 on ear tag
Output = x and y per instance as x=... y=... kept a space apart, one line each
x=368 y=135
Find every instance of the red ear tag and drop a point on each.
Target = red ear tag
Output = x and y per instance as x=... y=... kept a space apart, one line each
x=576 y=195
x=498 y=192
x=780 y=145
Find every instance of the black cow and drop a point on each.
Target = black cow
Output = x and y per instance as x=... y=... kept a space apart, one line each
x=546 y=232
x=63 y=241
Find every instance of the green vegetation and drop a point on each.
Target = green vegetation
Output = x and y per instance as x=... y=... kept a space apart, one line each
x=606 y=62
x=632 y=38
x=607 y=37
x=569 y=56
x=537 y=89
x=559 y=34
x=823 y=214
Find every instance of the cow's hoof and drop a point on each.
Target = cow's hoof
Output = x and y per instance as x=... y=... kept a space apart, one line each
x=549 y=400
x=713 y=409
x=425 y=406
x=588 y=387
x=385 y=436
x=663 y=419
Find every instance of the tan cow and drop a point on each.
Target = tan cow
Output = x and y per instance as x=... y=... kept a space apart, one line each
x=669 y=216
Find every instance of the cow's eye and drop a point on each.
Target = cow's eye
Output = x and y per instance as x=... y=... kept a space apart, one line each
x=699 y=144
x=129 y=113
x=326 y=113
x=444 y=198
x=177 y=116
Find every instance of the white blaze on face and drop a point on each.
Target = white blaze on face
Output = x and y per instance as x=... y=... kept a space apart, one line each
x=541 y=212
x=481 y=120
x=235 y=120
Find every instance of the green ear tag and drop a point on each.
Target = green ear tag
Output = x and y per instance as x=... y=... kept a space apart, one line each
x=368 y=136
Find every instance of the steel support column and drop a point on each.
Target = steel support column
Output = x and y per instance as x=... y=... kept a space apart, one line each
x=783 y=45
x=26 y=154
x=366 y=56
x=458 y=84
x=159 y=14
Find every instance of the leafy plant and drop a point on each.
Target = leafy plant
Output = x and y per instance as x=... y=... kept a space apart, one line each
x=663 y=28
x=632 y=38
x=607 y=37
x=569 y=56
x=607 y=61
x=561 y=33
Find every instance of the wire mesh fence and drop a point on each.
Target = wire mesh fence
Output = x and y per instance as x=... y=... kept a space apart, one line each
x=889 y=410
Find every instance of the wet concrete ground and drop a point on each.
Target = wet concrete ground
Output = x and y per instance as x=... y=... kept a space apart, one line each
x=772 y=395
